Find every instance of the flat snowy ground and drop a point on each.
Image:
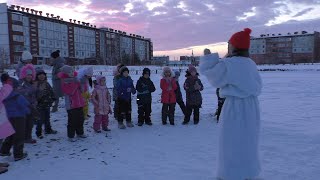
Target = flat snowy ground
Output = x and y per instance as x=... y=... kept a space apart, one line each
x=290 y=142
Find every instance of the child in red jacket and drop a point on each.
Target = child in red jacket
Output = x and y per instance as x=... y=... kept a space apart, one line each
x=168 y=98
x=74 y=101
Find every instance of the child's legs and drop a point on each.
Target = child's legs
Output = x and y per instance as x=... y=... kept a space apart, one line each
x=116 y=109
x=188 y=113
x=79 y=121
x=141 y=113
x=172 y=108
x=97 y=122
x=71 y=123
x=128 y=111
x=148 y=110
x=18 y=137
x=196 y=114
x=105 y=121
x=165 y=112
x=47 y=123
x=6 y=145
x=29 y=127
x=40 y=122
x=182 y=106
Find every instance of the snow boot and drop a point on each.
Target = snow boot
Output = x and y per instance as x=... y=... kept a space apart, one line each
x=24 y=155
x=30 y=141
x=140 y=123
x=4 y=165
x=121 y=125
x=106 y=129
x=97 y=131
x=149 y=123
x=129 y=124
x=5 y=154
x=51 y=131
x=82 y=136
x=3 y=170
x=72 y=140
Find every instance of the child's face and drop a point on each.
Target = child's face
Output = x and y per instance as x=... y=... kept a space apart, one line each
x=71 y=74
x=146 y=75
x=103 y=81
x=41 y=77
x=29 y=78
x=193 y=73
x=167 y=74
x=126 y=74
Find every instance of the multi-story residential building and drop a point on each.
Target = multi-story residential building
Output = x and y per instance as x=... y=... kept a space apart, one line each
x=299 y=47
x=22 y=28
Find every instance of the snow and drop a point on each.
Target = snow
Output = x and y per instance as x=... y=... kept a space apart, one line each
x=289 y=140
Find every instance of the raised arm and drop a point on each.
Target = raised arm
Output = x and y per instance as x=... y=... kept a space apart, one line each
x=214 y=69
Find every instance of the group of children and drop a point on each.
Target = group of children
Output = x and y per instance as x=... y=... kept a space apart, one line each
x=28 y=100
x=171 y=94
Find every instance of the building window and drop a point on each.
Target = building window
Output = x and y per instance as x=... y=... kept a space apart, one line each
x=18 y=38
x=16 y=17
x=17 y=28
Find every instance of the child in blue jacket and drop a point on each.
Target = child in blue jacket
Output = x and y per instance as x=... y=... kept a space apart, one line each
x=124 y=90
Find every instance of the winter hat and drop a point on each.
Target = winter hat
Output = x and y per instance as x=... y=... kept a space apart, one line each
x=4 y=77
x=88 y=71
x=55 y=54
x=176 y=74
x=98 y=78
x=26 y=57
x=146 y=71
x=241 y=40
x=40 y=71
x=167 y=69
x=116 y=70
x=27 y=70
x=192 y=68
x=123 y=69
x=15 y=82
x=67 y=69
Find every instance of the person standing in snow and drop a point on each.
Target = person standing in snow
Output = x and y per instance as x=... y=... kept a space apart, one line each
x=168 y=97
x=144 y=99
x=57 y=63
x=116 y=77
x=29 y=90
x=101 y=100
x=84 y=76
x=124 y=90
x=6 y=128
x=74 y=102
x=193 y=88
x=240 y=83
x=179 y=94
x=17 y=108
x=45 y=98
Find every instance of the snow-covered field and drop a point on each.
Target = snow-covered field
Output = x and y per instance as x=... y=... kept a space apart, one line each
x=289 y=147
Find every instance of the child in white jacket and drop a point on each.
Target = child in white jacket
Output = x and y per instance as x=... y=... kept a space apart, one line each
x=240 y=83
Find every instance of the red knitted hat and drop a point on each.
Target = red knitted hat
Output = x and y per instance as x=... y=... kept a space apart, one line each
x=241 y=40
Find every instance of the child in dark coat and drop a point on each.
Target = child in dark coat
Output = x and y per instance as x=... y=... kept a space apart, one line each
x=124 y=90
x=179 y=94
x=116 y=77
x=193 y=86
x=144 y=99
x=17 y=108
x=45 y=97
x=168 y=97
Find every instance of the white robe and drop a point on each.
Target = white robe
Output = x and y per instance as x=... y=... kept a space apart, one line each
x=240 y=83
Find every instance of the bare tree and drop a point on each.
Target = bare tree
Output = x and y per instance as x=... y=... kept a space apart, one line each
x=4 y=59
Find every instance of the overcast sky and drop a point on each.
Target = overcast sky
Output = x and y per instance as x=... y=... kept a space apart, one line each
x=178 y=26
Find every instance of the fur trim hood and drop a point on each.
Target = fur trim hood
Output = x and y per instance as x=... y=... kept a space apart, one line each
x=27 y=69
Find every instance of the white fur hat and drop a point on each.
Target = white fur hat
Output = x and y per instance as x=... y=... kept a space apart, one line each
x=26 y=56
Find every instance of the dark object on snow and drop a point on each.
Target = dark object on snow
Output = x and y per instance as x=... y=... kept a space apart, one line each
x=220 y=104
x=90 y=82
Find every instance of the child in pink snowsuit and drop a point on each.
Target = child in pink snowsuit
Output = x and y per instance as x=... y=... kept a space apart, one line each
x=101 y=100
